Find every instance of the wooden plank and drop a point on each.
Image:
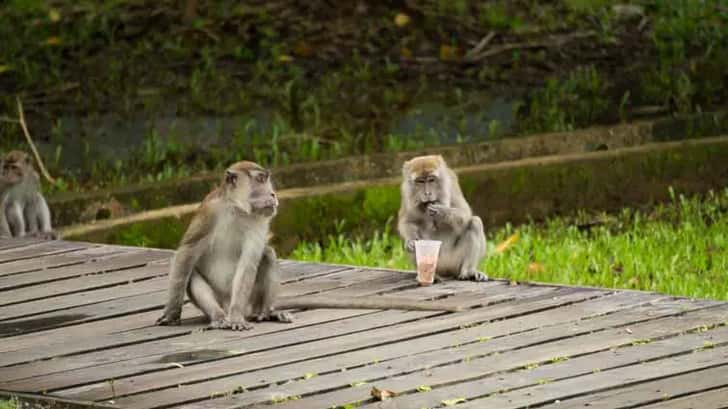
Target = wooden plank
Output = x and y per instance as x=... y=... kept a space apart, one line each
x=99 y=263
x=105 y=274
x=58 y=260
x=35 y=350
x=84 y=313
x=713 y=399
x=43 y=249
x=7 y=244
x=102 y=341
x=653 y=392
x=300 y=342
x=606 y=379
x=64 y=302
x=295 y=271
x=472 y=361
x=322 y=348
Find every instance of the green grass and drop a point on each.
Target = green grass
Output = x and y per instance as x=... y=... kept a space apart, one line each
x=679 y=248
x=8 y=404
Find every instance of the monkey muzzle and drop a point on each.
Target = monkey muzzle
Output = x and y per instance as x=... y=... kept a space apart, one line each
x=266 y=207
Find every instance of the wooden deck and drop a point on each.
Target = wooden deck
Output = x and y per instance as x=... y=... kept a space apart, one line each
x=76 y=322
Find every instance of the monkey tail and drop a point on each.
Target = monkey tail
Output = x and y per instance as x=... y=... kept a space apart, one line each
x=376 y=303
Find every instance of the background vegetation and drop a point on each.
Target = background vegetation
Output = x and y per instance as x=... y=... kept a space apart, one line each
x=678 y=248
x=314 y=80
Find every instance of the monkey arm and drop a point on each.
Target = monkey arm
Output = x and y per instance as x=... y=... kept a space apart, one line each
x=182 y=266
x=409 y=230
x=375 y=303
x=4 y=227
x=455 y=217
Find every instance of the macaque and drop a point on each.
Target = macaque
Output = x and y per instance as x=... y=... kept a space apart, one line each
x=227 y=268
x=24 y=209
x=433 y=208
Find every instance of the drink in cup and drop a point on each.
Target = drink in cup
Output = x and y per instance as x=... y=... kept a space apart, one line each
x=426 y=253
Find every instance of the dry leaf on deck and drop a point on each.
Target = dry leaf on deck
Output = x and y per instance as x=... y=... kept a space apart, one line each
x=507 y=243
x=401 y=19
x=535 y=267
x=382 y=394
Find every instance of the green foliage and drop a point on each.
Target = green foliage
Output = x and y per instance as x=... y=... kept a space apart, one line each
x=8 y=404
x=679 y=248
x=565 y=105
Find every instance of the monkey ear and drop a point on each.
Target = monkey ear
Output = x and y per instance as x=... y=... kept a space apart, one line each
x=231 y=178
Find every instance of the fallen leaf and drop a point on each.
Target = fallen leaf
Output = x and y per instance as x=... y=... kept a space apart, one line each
x=535 y=267
x=382 y=394
x=309 y=375
x=401 y=19
x=285 y=58
x=54 y=15
x=507 y=243
x=424 y=388
x=449 y=53
x=303 y=49
x=52 y=41
x=513 y=283
x=627 y=330
x=453 y=402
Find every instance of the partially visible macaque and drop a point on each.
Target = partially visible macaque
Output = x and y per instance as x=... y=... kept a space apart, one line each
x=24 y=210
x=433 y=208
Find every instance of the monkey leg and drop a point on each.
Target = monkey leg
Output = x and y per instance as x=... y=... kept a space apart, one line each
x=469 y=250
x=203 y=297
x=266 y=290
x=16 y=222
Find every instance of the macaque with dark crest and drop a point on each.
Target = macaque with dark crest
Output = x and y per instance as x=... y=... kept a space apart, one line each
x=433 y=208
x=24 y=209
x=226 y=267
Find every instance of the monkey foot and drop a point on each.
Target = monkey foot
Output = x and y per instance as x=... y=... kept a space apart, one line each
x=166 y=320
x=473 y=275
x=280 y=316
x=237 y=325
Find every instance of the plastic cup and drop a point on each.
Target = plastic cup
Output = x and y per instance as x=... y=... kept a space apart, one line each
x=426 y=253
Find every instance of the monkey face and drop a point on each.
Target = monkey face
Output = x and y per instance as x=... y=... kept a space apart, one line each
x=252 y=191
x=426 y=189
x=12 y=172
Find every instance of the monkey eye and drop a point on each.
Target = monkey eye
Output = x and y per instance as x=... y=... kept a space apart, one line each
x=431 y=179
x=261 y=177
x=231 y=177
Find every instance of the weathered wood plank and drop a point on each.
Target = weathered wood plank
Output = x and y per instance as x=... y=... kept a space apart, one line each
x=319 y=349
x=300 y=342
x=474 y=360
x=7 y=244
x=104 y=275
x=43 y=249
x=64 y=302
x=652 y=392
x=713 y=399
x=643 y=372
x=379 y=281
x=434 y=349
x=26 y=266
x=104 y=341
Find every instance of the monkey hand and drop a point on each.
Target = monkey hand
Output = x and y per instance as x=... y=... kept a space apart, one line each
x=169 y=318
x=409 y=245
x=437 y=211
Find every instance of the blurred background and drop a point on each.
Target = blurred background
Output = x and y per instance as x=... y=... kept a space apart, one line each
x=587 y=133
